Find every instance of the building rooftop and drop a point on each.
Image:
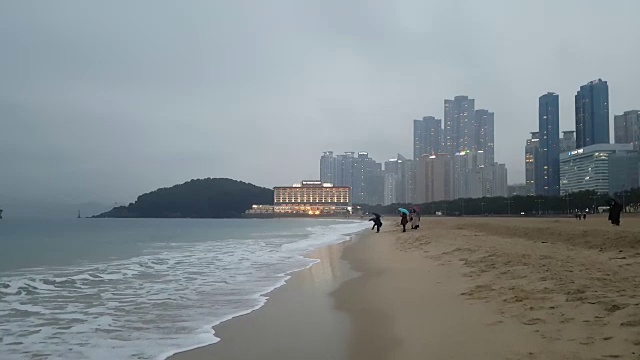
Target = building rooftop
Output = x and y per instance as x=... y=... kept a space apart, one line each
x=596 y=148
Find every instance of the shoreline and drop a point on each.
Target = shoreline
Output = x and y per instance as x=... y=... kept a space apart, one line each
x=524 y=288
x=320 y=277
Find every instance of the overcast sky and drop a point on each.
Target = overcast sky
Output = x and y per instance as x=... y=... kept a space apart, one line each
x=104 y=100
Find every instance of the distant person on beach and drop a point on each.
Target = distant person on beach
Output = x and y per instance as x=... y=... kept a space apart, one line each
x=615 y=208
x=404 y=221
x=584 y=216
x=377 y=222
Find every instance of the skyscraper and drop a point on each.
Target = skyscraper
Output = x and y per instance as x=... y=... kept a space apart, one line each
x=627 y=128
x=568 y=141
x=464 y=163
x=344 y=170
x=459 y=125
x=592 y=114
x=530 y=151
x=408 y=173
x=391 y=186
x=547 y=159
x=434 y=180
x=367 y=180
x=427 y=136
x=485 y=134
x=328 y=167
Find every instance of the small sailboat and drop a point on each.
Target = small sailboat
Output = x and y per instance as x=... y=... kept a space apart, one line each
x=79 y=214
x=0 y=213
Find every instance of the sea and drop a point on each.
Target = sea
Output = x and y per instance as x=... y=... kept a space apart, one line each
x=142 y=288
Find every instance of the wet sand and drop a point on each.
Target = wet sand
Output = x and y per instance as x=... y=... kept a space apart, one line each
x=459 y=288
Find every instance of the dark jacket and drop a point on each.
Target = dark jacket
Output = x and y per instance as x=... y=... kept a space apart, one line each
x=404 y=220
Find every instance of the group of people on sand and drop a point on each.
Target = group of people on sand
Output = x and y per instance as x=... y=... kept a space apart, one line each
x=615 y=209
x=412 y=216
x=406 y=216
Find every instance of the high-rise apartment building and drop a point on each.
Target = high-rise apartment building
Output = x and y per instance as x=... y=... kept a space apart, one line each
x=408 y=174
x=568 y=141
x=592 y=114
x=360 y=173
x=464 y=165
x=434 y=178
x=460 y=128
x=547 y=159
x=427 y=136
x=328 y=167
x=368 y=181
x=627 y=128
x=391 y=187
x=485 y=134
x=530 y=151
x=344 y=169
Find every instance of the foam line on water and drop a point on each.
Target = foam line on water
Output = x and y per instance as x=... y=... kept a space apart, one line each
x=209 y=331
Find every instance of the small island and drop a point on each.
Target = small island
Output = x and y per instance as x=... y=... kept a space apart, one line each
x=199 y=198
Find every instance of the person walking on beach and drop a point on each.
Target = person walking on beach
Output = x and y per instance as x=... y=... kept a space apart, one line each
x=404 y=221
x=615 y=208
x=377 y=222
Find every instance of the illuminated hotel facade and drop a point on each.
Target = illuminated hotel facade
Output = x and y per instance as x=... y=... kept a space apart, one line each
x=312 y=197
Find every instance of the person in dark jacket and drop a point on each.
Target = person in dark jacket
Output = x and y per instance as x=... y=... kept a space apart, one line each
x=377 y=222
x=404 y=221
x=615 y=208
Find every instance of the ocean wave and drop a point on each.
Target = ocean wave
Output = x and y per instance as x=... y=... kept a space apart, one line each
x=171 y=296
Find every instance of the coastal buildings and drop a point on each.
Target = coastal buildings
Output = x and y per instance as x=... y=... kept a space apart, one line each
x=427 y=136
x=391 y=186
x=328 y=167
x=358 y=171
x=547 y=158
x=485 y=134
x=518 y=190
x=605 y=168
x=312 y=197
x=568 y=141
x=474 y=178
x=459 y=125
x=530 y=151
x=627 y=128
x=309 y=197
x=465 y=164
x=434 y=178
x=592 y=114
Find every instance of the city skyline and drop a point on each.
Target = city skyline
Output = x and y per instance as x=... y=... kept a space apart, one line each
x=255 y=93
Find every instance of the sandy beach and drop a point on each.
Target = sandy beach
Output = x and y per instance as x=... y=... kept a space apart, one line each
x=458 y=288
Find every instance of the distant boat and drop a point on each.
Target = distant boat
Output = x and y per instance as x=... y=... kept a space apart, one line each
x=0 y=213
x=79 y=214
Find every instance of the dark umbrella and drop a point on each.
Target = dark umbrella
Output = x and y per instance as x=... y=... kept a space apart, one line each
x=376 y=215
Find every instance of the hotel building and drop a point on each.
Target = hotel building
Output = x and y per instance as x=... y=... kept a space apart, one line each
x=605 y=168
x=312 y=197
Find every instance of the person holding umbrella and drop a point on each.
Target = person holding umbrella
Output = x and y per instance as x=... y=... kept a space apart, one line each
x=376 y=221
x=404 y=220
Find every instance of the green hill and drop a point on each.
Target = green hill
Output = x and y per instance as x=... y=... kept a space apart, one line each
x=201 y=198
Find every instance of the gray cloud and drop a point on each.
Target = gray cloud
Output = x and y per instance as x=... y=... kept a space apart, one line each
x=105 y=100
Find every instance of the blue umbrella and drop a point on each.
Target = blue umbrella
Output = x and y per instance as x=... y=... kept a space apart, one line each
x=403 y=210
